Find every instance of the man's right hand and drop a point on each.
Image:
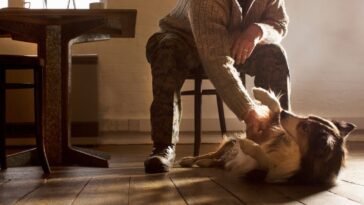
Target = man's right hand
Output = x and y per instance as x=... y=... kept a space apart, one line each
x=257 y=119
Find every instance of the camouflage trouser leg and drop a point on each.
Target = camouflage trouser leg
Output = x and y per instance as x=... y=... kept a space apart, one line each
x=268 y=63
x=171 y=59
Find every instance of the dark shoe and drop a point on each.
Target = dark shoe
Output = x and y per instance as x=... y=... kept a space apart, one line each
x=161 y=159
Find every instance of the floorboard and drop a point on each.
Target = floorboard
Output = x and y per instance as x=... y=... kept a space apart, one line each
x=14 y=190
x=111 y=190
x=253 y=192
x=314 y=195
x=154 y=189
x=3 y=181
x=202 y=190
x=126 y=183
x=351 y=191
x=59 y=191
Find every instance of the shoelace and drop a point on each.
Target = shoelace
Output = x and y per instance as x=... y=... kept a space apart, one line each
x=162 y=151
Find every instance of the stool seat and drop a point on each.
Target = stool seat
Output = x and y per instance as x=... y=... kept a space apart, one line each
x=18 y=62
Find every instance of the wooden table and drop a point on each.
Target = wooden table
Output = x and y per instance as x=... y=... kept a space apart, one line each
x=55 y=31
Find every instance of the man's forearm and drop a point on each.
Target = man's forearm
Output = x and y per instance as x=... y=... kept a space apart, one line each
x=214 y=44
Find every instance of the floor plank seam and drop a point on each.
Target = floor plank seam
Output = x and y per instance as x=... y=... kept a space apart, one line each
x=27 y=194
x=178 y=190
x=5 y=181
x=227 y=190
x=344 y=197
x=83 y=188
x=129 y=190
x=351 y=182
x=289 y=197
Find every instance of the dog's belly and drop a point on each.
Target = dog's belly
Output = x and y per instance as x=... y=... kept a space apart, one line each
x=237 y=162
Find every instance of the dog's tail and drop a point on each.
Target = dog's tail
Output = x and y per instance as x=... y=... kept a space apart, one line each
x=268 y=98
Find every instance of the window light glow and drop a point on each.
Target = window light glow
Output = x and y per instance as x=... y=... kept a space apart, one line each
x=3 y=3
x=61 y=4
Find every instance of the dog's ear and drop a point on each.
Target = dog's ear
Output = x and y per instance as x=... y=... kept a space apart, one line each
x=267 y=98
x=345 y=128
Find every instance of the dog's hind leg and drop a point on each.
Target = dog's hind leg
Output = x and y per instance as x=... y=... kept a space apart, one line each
x=256 y=152
x=210 y=159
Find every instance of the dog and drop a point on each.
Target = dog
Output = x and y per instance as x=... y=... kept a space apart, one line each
x=293 y=148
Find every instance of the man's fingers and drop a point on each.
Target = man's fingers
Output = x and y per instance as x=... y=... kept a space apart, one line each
x=243 y=57
x=241 y=50
x=247 y=51
x=236 y=51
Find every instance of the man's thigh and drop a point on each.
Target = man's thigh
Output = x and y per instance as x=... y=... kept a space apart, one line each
x=266 y=60
x=163 y=47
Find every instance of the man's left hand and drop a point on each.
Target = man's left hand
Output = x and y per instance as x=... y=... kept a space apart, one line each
x=245 y=43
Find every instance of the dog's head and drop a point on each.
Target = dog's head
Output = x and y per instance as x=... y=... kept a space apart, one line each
x=322 y=145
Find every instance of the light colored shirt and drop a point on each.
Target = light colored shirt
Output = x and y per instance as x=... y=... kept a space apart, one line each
x=211 y=25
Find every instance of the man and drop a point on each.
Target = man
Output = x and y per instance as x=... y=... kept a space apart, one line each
x=217 y=34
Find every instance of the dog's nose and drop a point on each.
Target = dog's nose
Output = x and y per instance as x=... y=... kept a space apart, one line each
x=284 y=114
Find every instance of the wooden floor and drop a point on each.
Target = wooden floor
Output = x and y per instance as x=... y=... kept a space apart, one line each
x=126 y=183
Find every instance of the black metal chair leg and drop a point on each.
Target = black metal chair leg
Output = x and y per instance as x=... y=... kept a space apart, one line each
x=198 y=104
x=38 y=83
x=2 y=120
x=220 y=109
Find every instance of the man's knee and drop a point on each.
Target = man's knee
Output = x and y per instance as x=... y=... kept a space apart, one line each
x=272 y=57
x=271 y=51
x=161 y=44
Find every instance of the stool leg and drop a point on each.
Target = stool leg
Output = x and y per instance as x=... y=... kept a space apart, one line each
x=2 y=120
x=38 y=83
x=220 y=109
x=198 y=102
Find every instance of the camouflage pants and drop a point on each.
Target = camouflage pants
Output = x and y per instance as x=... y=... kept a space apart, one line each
x=172 y=58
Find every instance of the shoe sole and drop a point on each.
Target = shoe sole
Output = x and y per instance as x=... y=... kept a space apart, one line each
x=154 y=166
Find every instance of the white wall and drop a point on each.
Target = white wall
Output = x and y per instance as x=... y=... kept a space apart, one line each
x=324 y=45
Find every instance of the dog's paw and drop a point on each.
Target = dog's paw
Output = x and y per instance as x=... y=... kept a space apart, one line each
x=187 y=161
x=248 y=146
x=267 y=98
x=205 y=163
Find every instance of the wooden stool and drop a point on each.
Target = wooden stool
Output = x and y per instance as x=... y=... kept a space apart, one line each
x=198 y=75
x=15 y=62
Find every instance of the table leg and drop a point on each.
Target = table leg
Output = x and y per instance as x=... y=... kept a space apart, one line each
x=52 y=96
x=23 y=158
x=56 y=119
x=85 y=157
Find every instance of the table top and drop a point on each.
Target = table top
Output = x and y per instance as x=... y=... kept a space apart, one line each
x=118 y=22
x=62 y=12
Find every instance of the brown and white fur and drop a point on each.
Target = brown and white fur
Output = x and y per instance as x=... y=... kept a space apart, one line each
x=292 y=148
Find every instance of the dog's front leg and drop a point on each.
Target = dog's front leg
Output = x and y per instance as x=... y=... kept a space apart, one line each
x=256 y=152
x=208 y=160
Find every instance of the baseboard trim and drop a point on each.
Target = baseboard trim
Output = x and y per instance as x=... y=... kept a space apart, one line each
x=187 y=125
x=120 y=132
x=145 y=138
x=126 y=138
x=25 y=130
x=120 y=138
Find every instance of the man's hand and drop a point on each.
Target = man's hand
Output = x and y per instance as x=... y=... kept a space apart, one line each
x=245 y=43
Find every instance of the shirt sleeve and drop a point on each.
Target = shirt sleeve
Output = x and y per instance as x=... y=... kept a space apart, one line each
x=274 y=22
x=210 y=20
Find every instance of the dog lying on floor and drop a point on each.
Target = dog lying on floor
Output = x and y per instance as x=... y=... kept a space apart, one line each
x=293 y=148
